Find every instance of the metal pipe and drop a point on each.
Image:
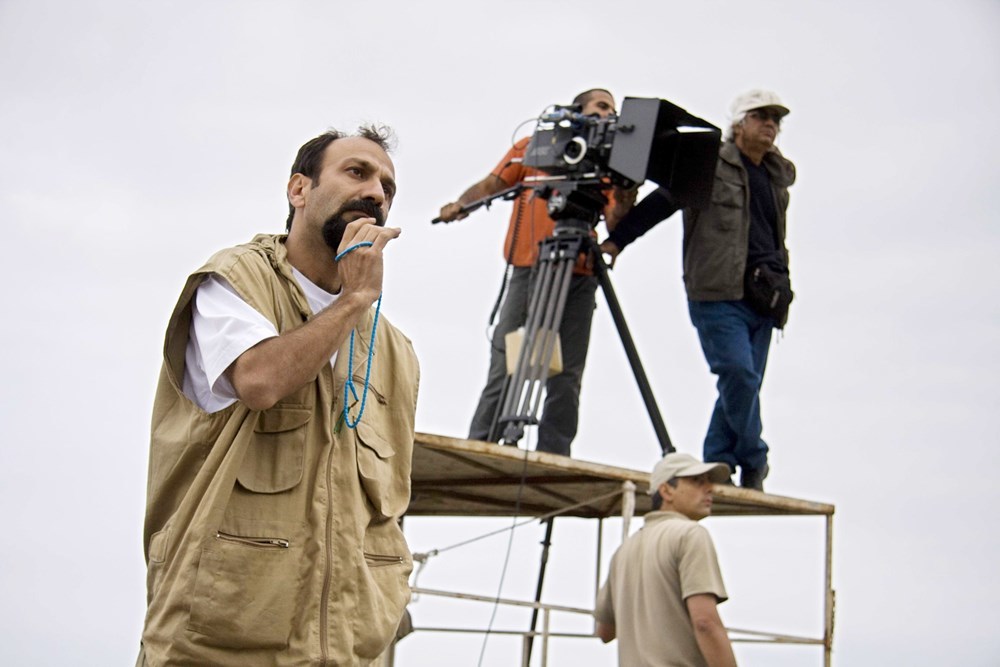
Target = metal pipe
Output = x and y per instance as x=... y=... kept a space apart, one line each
x=600 y=547
x=830 y=596
x=545 y=638
x=546 y=543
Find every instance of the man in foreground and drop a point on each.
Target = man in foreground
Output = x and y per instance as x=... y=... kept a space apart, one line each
x=271 y=531
x=664 y=584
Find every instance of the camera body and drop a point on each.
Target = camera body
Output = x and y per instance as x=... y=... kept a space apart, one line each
x=568 y=143
x=650 y=139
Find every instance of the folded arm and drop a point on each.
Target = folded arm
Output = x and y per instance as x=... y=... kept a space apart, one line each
x=276 y=367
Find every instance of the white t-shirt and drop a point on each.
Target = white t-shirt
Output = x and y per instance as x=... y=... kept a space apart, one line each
x=224 y=326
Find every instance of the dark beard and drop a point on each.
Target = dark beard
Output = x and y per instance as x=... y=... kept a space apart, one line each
x=335 y=225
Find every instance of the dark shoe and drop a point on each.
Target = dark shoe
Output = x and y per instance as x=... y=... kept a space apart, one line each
x=753 y=478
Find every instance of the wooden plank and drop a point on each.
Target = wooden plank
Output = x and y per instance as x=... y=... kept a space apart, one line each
x=457 y=477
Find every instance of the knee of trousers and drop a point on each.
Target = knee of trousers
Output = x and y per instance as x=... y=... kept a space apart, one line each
x=738 y=375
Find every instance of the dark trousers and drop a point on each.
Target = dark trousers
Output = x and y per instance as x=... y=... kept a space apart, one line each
x=560 y=412
x=735 y=340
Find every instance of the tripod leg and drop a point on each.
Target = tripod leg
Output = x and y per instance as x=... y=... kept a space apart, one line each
x=548 y=297
x=512 y=315
x=551 y=320
x=511 y=420
x=601 y=269
x=494 y=434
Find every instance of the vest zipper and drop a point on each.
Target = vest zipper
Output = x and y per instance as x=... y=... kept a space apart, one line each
x=324 y=611
x=265 y=542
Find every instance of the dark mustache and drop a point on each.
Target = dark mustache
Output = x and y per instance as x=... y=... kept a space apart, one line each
x=366 y=206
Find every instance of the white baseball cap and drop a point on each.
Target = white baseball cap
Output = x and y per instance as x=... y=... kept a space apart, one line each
x=755 y=99
x=677 y=464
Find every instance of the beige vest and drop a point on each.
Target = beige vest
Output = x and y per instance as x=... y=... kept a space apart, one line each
x=271 y=536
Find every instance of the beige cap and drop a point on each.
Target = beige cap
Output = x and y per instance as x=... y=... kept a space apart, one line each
x=755 y=99
x=677 y=464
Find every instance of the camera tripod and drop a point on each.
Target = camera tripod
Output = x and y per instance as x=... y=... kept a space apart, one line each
x=576 y=208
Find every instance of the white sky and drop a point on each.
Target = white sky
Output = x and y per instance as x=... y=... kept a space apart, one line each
x=138 y=138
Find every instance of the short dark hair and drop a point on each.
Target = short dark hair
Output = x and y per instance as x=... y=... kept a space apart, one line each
x=584 y=97
x=309 y=159
x=657 y=498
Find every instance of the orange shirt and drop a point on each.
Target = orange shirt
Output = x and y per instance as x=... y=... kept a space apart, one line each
x=529 y=221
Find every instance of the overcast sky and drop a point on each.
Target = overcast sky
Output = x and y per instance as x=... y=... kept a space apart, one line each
x=138 y=138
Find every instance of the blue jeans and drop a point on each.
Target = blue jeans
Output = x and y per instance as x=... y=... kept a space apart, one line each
x=561 y=410
x=735 y=340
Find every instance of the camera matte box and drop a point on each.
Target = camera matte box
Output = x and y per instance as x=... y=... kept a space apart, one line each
x=659 y=141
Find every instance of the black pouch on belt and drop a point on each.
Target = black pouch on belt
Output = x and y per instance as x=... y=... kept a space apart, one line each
x=769 y=292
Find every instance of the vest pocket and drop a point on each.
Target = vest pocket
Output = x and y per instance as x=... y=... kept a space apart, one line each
x=159 y=543
x=728 y=199
x=275 y=458
x=246 y=591
x=383 y=588
x=379 y=472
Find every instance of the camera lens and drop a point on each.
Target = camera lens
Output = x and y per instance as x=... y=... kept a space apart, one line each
x=575 y=150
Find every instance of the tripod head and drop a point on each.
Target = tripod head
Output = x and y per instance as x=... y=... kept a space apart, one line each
x=575 y=204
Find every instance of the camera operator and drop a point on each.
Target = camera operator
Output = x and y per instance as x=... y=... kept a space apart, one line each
x=529 y=225
x=735 y=273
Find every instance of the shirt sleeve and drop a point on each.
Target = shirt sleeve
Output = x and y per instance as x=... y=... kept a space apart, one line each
x=223 y=326
x=511 y=169
x=604 y=610
x=655 y=207
x=699 y=566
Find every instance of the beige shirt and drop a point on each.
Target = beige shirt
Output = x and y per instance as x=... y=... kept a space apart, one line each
x=651 y=575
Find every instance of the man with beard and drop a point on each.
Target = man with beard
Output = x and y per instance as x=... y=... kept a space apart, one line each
x=275 y=480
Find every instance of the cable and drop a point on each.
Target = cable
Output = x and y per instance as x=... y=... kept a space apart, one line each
x=423 y=556
x=506 y=560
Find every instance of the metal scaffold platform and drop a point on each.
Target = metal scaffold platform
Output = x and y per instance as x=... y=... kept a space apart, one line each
x=467 y=478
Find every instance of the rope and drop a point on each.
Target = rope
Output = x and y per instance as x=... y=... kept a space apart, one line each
x=349 y=383
x=506 y=562
x=424 y=556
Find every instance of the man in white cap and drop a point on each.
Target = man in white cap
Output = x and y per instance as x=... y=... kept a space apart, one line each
x=664 y=584
x=735 y=273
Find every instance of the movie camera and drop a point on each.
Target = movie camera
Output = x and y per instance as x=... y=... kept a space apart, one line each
x=651 y=139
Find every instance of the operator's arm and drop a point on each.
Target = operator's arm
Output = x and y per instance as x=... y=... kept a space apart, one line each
x=276 y=367
x=654 y=208
x=624 y=199
x=490 y=185
x=606 y=631
x=709 y=631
